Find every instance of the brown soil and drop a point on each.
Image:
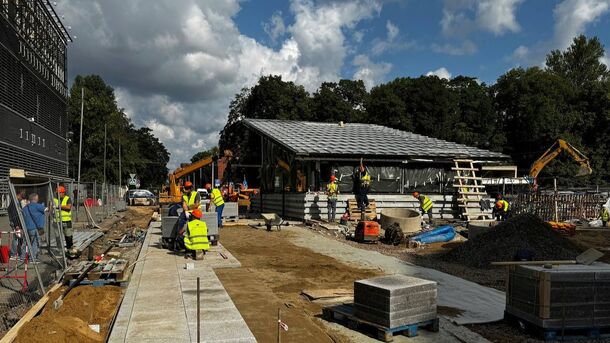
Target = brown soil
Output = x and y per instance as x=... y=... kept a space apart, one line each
x=84 y=305
x=134 y=217
x=273 y=274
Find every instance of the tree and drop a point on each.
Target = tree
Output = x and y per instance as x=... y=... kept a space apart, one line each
x=343 y=101
x=154 y=157
x=273 y=98
x=205 y=154
x=580 y=63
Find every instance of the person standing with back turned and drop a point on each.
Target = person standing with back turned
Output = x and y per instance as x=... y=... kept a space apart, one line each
x=218 y=201
x=332 y=192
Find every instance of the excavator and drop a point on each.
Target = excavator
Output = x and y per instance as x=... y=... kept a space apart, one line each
x=554 y=151
x=174 y=194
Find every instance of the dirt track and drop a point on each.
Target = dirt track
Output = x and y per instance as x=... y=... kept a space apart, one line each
x=273 y=274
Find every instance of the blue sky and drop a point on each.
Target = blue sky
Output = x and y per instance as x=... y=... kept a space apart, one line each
x=176 y=65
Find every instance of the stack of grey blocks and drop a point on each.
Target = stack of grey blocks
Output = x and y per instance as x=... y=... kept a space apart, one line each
x=564 y=296
x=211 y=222
x=394 y=301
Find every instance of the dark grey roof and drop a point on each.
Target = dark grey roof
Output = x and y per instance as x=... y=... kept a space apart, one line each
x=313 y=138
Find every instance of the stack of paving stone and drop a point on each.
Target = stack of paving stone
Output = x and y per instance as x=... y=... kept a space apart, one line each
x=394 y=301
x=564 y=296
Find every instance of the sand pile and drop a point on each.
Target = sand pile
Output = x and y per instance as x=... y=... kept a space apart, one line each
x=504 y=241
x=84 y=305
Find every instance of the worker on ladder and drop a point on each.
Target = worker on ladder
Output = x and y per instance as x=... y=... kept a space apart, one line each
x=196 y=235
x=63 y=217
x=217 y=200
x=425 y=205
x=500 y=211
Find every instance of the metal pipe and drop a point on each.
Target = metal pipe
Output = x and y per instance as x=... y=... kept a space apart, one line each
x=80 y=145
x=198 y=312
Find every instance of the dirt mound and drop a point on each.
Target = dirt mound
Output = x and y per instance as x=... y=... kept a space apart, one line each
x=84 y=305
x=523 y=232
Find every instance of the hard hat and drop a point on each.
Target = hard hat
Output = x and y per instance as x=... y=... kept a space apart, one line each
x=498 y=204
x=333 y=178
x=61 y=189
x=416 y=194
x=188 y=184
x=208 y=186
x=197 y=213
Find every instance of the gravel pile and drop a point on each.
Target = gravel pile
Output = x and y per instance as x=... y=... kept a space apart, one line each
x=503 y=242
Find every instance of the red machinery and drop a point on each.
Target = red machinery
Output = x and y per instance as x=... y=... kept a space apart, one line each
x=367 y=232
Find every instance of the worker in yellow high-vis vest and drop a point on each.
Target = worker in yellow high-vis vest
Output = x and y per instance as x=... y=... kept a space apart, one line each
x=217 y=200
x=63 y=215
x=190 y=198
x=425 y=204
x=196 y=235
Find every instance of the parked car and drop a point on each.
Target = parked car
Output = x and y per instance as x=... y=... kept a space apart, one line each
x=141 y=197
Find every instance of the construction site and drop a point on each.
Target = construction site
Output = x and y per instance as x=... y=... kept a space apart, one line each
x=292 y=227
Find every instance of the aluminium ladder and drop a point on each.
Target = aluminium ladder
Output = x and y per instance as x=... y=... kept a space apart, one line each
x=471 y=191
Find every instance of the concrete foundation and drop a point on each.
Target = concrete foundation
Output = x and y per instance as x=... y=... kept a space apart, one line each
x=409 y=220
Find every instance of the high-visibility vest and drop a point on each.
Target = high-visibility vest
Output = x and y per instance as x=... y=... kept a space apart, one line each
x=332 y=189
x=66 y=216
x=189 y=200
x=366 y=179
x=196 y=236
x=504 y=205
x=426 y=203
x=604 y=214
x=217 y=197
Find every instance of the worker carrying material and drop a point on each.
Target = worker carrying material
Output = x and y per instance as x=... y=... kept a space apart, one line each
x=362 y=185
x=63 y=218
x=500 y=210
x=604 y=215
x=217 y=200
x=425 y=205
x=332 y=192
x=196 y=235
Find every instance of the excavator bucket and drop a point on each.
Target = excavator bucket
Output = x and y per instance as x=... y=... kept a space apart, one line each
x=584 y=170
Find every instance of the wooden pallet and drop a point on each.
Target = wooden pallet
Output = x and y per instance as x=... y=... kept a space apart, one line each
x=116 y=273
x=344 y=314
x=561 y=334
x=370 y=212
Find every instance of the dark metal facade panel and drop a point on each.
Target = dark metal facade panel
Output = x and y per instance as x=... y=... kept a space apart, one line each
x=312 y=138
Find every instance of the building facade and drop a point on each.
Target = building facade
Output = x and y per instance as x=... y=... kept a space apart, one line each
x=33 y=89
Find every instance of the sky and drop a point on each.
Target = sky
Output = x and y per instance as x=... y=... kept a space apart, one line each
x=176 y=64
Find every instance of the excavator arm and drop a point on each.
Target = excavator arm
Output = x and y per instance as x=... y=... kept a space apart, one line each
x=554 y=151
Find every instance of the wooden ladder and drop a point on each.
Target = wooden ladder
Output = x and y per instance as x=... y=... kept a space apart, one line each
x=470 y=191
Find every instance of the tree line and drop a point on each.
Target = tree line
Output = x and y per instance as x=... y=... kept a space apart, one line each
x=141 y=152
x=521 y=115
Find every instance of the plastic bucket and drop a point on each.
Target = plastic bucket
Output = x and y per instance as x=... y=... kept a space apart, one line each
x=4 y=252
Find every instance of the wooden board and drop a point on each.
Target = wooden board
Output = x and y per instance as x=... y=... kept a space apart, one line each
x=315 y=294
x=31 y=313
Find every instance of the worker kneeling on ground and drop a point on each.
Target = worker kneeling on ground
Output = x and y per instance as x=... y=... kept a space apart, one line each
x=218 y=201
x=196 y=235
x=425 y=205
x=501 y=210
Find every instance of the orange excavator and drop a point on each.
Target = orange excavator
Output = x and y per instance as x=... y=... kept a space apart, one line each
x=554 y=151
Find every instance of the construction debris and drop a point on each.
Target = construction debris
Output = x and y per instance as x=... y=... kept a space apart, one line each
x=524 y=233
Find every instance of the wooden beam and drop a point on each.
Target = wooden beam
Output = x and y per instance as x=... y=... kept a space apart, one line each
x=31 y=313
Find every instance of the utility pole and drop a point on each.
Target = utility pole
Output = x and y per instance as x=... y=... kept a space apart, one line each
x=80 y=146
x=104 y=195
x=120 y=174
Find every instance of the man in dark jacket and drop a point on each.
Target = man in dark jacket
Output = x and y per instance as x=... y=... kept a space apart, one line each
x=34 y=215
x=362 y=185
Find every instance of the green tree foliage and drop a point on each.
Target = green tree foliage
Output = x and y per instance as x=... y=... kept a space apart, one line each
x=205 y=154
x=522 y=114
x=141 y=152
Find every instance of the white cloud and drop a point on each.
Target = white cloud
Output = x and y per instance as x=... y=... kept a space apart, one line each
x=442 y=73
x=467 y=47
x=370 y=72
x=571 y=19
x=606 y=60
x=391 y=42
x=275 y=28
x=176 y=68
x=461 y=17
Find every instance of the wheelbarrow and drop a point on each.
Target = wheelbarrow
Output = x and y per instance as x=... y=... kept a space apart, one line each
x=271 y=220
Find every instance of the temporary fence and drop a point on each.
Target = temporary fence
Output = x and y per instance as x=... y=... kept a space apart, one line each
x=32 y=258
x=559 y=206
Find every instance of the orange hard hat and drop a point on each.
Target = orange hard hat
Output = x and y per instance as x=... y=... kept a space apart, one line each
x=197 y=213
x=61 y=189
x=499 y=204
x=333 y=178
x=188 y=184
x=416 y=194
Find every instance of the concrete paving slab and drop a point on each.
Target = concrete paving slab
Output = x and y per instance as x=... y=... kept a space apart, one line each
x=160 y=304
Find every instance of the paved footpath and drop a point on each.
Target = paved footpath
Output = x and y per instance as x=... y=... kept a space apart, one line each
x=160 y=304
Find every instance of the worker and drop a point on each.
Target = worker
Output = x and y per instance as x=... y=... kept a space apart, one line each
x=604 y=215
x=332 y=192
x=501 y=210
x=362 y=185
x=190 y=198
x=63 y=217
x=425 y=205
x=218 y=201
x=196 y=235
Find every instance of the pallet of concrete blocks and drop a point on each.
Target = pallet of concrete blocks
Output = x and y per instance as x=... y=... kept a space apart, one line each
x=211 y=222
x=561 y=301
x=398 y=303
